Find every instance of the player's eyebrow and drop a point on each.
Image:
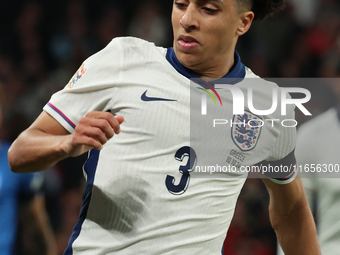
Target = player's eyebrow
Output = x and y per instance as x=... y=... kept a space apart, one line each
x=216 y=1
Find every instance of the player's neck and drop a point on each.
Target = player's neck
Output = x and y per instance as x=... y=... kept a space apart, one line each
x=216 y=69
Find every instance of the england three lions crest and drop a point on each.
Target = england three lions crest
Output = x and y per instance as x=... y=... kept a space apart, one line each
x=246 y=130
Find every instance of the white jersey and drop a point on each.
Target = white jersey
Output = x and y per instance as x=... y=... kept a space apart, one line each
x=142 y=196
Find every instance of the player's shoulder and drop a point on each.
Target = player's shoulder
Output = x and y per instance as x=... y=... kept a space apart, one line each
x=125 y=50
x=260 y=82
x=266 y=92
x=250 y=73
x=263 y=88
x=133 y=43
x=128 y=41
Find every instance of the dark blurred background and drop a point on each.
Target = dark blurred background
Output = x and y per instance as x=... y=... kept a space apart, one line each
x=42 y=44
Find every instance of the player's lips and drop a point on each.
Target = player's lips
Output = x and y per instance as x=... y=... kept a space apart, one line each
x=187 y=42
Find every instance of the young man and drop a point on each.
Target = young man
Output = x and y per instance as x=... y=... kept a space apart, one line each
x=138 y=197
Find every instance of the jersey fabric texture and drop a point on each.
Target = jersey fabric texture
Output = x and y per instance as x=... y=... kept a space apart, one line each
x=318 y=145
x=139 y=196
x=13 y=188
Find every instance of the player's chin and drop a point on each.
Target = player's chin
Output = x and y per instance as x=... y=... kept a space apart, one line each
x=186 y=56
x=189 y=60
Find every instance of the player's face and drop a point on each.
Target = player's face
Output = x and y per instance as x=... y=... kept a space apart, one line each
x=205 y=31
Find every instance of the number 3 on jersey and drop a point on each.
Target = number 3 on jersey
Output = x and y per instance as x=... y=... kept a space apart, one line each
x=181 y=187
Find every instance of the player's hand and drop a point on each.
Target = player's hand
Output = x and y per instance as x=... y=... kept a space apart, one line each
x=92 y=131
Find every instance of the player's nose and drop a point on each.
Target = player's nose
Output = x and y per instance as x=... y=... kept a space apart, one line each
x=189 y=19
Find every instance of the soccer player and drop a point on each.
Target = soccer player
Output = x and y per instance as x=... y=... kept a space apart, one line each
x=139 y=196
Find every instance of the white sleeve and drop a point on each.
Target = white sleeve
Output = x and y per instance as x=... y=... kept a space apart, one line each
x=91 y=88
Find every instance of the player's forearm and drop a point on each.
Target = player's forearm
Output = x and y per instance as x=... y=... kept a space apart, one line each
x=35 y=150
x=296 y=231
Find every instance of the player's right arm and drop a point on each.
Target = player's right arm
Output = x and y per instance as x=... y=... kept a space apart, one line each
x=46 y=141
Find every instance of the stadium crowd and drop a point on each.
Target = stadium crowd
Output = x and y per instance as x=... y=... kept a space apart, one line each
x=42 y=44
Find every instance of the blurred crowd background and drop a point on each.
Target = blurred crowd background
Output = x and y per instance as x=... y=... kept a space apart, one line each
x=42 y=44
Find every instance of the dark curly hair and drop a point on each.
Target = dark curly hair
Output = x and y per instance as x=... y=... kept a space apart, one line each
x=262 y=8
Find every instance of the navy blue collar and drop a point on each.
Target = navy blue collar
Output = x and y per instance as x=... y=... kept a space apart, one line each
x=235 y=75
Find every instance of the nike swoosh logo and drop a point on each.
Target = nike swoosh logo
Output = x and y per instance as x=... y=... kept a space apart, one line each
x=144 y=97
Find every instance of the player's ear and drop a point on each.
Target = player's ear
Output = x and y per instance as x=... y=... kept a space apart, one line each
x=246 y=19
